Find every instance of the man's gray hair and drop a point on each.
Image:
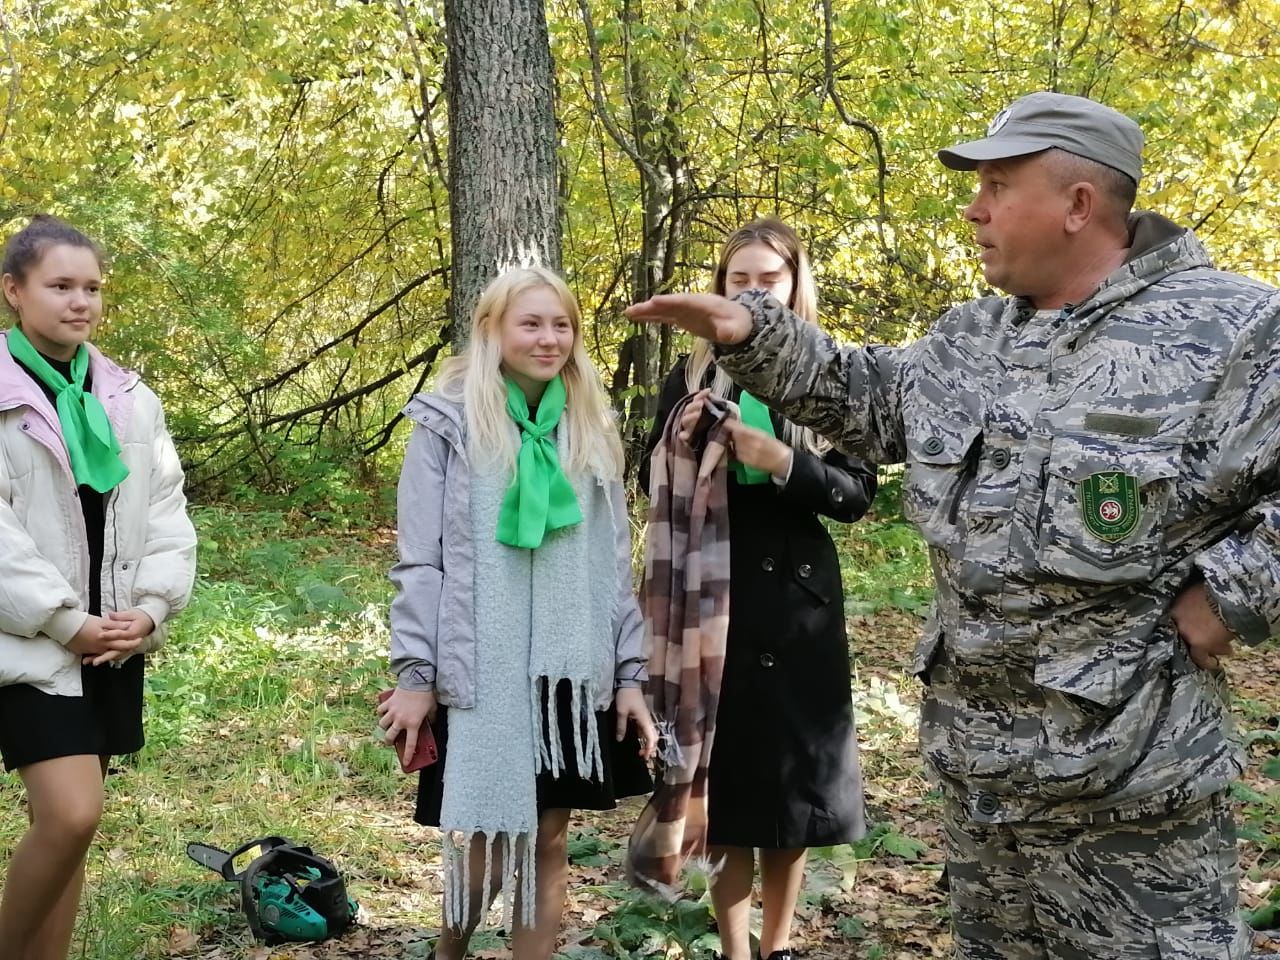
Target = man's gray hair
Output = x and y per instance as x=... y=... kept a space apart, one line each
x=1116 y=188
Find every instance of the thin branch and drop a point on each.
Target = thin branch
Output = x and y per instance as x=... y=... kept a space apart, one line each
x=597 y=97
x=1238 y=179
x=14 y=77
x=427 y=103
x=354 y=331
x=384 y=435
x=882 y=170
x=426 y=356
x=343 y=268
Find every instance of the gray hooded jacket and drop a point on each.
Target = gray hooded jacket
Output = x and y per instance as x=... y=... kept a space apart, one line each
x=433 y=639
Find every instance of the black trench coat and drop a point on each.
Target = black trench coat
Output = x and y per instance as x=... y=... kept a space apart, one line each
x=784 y=768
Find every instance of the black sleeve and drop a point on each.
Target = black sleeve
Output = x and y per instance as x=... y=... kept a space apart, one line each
x=673 y=391
x=835 y=485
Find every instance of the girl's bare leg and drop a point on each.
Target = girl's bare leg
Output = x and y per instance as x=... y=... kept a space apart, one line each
x=46 y=872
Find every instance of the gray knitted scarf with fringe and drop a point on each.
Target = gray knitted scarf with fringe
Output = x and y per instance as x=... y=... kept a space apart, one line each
x=541 y=616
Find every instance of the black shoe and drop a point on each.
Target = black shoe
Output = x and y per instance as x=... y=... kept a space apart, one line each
x=780 y=955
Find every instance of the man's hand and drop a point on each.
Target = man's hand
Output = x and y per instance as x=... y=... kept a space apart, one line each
x=1206 y=636
x=703 y=314
x=628 y=703
x=406 y=710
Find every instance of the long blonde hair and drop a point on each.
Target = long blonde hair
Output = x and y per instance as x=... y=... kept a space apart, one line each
x=475 y=378
x=803 y=302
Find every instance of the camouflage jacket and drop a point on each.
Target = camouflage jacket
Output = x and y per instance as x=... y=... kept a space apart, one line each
x=1071 y=472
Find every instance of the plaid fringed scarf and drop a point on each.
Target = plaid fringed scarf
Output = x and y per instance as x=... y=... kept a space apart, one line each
x=685 y=598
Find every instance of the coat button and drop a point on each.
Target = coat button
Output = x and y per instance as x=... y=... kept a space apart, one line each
x=766 y=660
x=26 y=426
x=933 y=446
x=837 y=495
x=987 y=804
x=804 y=571
x=1000 y=458
x=767 y=564
x=125 y=565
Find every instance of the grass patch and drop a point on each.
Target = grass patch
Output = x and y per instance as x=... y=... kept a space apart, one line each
x=883 y=561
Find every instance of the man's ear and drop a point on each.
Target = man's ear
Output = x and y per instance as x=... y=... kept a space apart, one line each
x=1084 y=206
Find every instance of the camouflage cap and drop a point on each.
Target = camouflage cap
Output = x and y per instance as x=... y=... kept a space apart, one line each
x=1040 y=121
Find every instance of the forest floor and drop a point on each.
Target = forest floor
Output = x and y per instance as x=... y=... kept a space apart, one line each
x=260 y=721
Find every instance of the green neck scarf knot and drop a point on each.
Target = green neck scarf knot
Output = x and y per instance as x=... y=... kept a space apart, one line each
x=92 y=446
x=540 y=498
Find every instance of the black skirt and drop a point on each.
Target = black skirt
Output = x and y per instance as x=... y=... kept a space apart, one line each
x=626 y=774
x=105 y=721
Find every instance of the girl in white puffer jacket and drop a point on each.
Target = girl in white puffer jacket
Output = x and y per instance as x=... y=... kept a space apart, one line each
x=96 y=553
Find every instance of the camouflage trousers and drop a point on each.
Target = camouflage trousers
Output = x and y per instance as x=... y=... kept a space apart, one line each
x=1161 y=888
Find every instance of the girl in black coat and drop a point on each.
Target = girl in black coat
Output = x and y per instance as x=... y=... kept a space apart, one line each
x=784 y=770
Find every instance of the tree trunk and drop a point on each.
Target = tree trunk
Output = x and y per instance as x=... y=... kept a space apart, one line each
x=503 y=204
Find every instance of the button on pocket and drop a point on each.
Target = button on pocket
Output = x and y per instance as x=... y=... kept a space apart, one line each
x=937 y=476
x=1101 y=520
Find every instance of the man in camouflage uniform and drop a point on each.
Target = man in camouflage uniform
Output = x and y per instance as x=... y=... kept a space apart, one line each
x=1093 y=461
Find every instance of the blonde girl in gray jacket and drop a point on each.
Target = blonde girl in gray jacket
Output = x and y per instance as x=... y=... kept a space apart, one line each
x=96 y=553
x=515 y=632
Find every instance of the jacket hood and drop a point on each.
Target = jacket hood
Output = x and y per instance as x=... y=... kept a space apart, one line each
x=439 y=414
x=1157 y=248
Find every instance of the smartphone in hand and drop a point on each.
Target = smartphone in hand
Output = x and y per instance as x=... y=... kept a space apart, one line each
x=424 y=754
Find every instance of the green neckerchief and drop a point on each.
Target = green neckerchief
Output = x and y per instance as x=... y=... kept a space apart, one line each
x=540 y=497
x=754 y=414
x=86 y=429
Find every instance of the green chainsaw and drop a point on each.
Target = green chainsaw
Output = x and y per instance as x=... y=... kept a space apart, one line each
x=287 y=892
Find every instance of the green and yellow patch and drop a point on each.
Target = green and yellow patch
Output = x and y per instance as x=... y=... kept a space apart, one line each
x=1110 y=505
